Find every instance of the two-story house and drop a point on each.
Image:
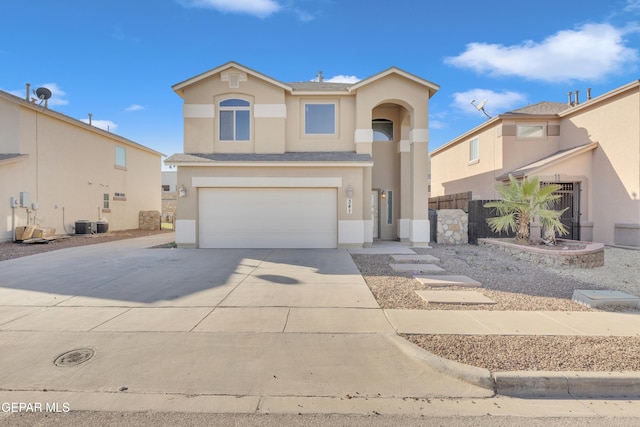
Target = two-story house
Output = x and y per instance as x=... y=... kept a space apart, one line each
x=57 y=170
x=591 y=148
x=268 y=164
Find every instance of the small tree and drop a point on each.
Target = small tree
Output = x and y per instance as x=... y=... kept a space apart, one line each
x=523 y=201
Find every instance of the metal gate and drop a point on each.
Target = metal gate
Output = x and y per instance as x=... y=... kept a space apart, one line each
x=569 y=198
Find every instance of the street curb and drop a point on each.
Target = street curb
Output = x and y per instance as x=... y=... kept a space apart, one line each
x=473 y=375
x=529 y=384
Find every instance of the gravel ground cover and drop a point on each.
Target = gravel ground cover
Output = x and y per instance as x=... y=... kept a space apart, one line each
x=10 y=250
x=521 y=286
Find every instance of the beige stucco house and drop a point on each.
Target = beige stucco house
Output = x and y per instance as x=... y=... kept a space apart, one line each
x=302 y=165
x=59 y=170
x=591 y=148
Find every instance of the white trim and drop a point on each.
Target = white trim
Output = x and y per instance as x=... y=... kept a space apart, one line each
x=420 y=230
x=351 y=232
x=367 y=226
x=363 y=135
x=266 y=182
x=404 y=229
x=198 y=111
x=404 y=146
x=419 y=135
x=270 y=110
x=185 y=231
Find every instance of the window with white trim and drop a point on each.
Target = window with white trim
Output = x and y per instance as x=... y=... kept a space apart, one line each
x=320 y=119
x=473 y=150
x=530 y=131
x=235 y=120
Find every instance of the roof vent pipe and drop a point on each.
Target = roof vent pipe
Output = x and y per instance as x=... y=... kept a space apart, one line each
x=577 y=99
x=569 y=96
x=28 y=91
x=90 y=116
x=588 y=94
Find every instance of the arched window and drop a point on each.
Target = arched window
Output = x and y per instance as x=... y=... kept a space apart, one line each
x=382 y=130
x=235 y=120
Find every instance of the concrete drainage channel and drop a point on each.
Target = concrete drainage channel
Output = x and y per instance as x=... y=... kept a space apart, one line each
x=74 y=357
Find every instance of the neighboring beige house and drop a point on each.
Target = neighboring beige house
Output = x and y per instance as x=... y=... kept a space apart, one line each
x=302 y=165
x=59 y=170
x=592 y=149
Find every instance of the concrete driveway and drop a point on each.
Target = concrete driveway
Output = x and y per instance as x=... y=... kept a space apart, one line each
x=217 y=330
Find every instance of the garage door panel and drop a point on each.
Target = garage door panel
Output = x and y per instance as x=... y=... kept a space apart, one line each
x=268 y=217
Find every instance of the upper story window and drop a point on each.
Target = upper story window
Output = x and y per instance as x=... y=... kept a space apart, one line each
x=320 y=119
x=235 y=120
x=473 y=150
x=382 y=130
x=121 y=156
x=530 y=131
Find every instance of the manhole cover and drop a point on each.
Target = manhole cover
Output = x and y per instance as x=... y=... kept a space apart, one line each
x=74 y=357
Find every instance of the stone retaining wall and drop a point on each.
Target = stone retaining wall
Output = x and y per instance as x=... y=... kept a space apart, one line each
x=590 y=257
x=149 y=220
x=453 y=227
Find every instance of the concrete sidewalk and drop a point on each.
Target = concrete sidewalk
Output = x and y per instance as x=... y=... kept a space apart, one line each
x=252 y=324
x=243 y=331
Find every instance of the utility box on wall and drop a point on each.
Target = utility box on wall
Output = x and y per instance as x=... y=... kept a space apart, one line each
x=25 y=199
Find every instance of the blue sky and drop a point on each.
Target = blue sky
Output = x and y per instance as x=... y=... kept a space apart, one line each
x=118 y=59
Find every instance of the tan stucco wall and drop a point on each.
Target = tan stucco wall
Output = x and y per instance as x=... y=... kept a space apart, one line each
x=70 y=167
x=296 y=140
x=609 y=175
x=201 y=135
x=615 y=126
x=451 y=171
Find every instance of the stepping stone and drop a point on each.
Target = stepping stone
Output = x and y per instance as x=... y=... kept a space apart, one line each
x=416 y=258
x=454 y=297
x=441 y=281
x=416 y=267
x=603 y=298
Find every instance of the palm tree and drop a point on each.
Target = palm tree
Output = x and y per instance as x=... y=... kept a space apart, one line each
x=523 y=201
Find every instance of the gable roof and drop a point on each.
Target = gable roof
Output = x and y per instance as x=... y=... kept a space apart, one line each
x=433 y=88
x=557 y=157
x=543 y=107
x=179 y=87
x=309 y=86
x=74 y=122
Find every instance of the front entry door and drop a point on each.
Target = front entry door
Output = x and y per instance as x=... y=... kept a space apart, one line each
x=375 y=213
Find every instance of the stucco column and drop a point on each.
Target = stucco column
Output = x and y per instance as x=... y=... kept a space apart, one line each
x=367 y=221
x=406 y=191
x=419 y=175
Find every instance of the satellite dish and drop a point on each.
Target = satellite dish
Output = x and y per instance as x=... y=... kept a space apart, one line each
x=480 y=107
x=43 y=93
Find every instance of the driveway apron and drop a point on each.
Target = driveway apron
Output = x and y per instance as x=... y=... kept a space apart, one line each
x=241 y=322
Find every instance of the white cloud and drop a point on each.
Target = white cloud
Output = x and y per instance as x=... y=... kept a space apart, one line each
x=340 y=78
x=632 y=6
x=260 y=8
x=134 y=107
x=590 y=52
x=497 y=102
x=107 y=125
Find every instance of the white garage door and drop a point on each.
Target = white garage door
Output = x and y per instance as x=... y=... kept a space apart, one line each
x=268 y=217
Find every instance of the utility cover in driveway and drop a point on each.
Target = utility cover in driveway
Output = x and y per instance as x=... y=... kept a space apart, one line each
x=268 y=218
